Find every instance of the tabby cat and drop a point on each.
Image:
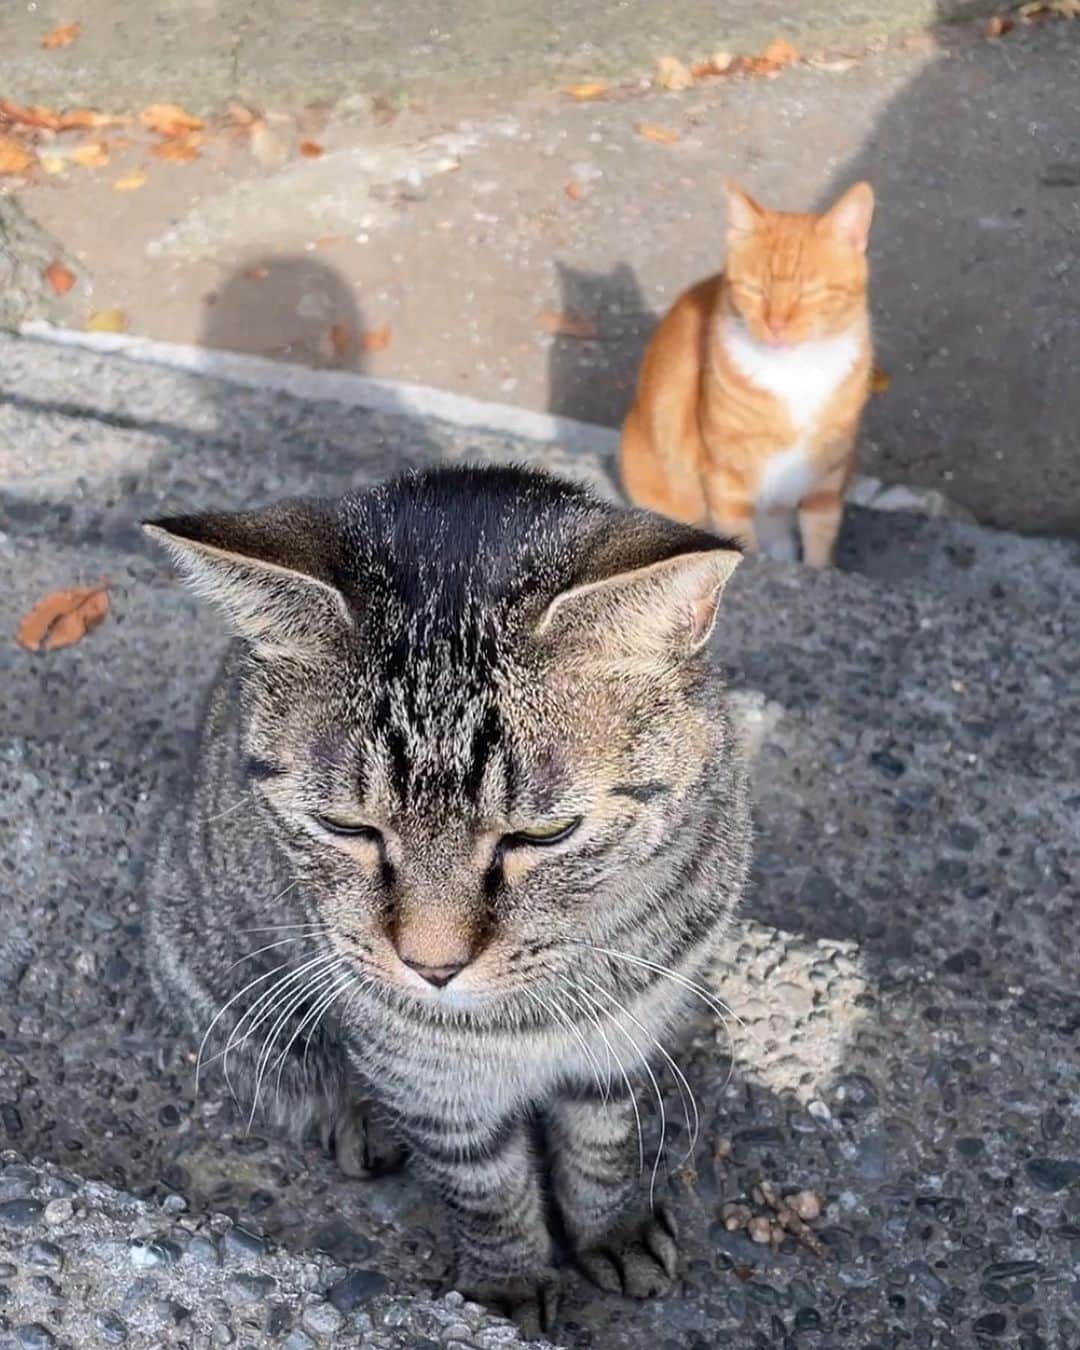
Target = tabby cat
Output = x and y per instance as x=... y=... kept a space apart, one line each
x=751 y=391
x=468 y=819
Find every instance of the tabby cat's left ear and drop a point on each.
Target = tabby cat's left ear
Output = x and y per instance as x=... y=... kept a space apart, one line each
x=649 y=614
x=849 y=217
x=269 y=571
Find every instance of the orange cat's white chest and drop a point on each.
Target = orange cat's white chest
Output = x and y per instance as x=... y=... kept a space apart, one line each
x=803 y=378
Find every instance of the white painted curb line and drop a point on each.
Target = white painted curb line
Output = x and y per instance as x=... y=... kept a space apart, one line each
x=414 y=400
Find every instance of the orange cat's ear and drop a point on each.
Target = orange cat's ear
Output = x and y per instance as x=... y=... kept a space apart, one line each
x=848 y=219
x=743 y=213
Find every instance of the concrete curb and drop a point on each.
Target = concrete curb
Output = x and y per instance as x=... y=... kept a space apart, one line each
x=421 y=401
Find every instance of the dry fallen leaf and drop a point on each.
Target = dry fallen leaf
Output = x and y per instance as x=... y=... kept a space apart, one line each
x=565 y=323
x=998 y=26
x=257 y=273
x=328 y=240
x=672 y=74
x=106 y=321
x=53 y=164
x=60 y=278
x=76 y=120
x=573 y=190
x=169 y=119
x=780 y=52
x=93 y=155
x=239 y=115
x=341 y=339
x=311 y=149
x=175 y=151
x=63 y=35
x=584 y=92
x=375 y=339
x=130 y=182
x=1043 y=9
x=661 y=135
x=13 y=158
x=836 y=65
x=63 y=617
x=879 y=380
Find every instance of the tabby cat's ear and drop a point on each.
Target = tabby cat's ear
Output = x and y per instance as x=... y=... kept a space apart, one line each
x=651 y=613
x=743 y=213
x=849 y=217
x=268 y=571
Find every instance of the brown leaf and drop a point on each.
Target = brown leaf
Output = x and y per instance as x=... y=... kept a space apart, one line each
x=63 y=35
x=239 y=115
x=13 y=158
x=169 y=119
x=376 y=339
x=672 y=74
x=573 y=190
x=175 y=151
x=998 y=26
x=81 y=119
x=93 y=155
x=106 y=321
x=311 y=149
x=60 y=278
x=780 y=52
x=130 y=182
x=661 y=135
x=341 y=339
x=879 y=380
x=584 y=92
x=565 y=323
x=257 y=273
x=29 y=116
x=63 y=617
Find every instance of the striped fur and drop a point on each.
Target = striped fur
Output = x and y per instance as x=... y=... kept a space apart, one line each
x=447 y=660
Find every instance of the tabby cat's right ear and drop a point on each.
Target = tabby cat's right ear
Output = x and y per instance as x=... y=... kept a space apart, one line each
x=269 y=571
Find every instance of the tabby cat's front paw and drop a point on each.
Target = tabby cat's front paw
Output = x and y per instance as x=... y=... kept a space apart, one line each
x=531 y=1301
x=363 y=1150
x=640 y=1262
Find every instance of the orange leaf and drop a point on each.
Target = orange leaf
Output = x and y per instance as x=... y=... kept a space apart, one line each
x=63 y=35
x=257 y=273
x=93 y=155
x=573 y=191
x=177 y=152
x=63 y=617
x=375 y=339
x=29 y=117
x=13 y=158
x=661 y=135
x=169 y=119
x=106 y=321
x=341 y=339
x=130 y=182
x=311 y=149
x=82 y=118
x=565 y=323
x=998 y=26
x=59 y=277
x=879 y=380
x=584 y=92
x=780 y=52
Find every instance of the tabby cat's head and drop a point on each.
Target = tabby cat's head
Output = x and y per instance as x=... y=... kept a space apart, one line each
x=474 y=707
x=793 y=277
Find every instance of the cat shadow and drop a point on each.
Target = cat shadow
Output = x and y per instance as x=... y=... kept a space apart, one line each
x=975 y=287
x=593 y=379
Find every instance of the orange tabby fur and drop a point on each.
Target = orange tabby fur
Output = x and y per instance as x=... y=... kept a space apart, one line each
x=750 y=394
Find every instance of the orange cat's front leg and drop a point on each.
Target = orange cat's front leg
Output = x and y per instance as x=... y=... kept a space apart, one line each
x=820 y=516
x=731 y=508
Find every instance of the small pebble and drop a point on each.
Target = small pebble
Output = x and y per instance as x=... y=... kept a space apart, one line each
x=20 y=1213
x=356 y=1288
x=45 y=1256
x=59 y=1212
x=1053 y=1174
x=322 y=1320
x=759 y=1229
x=807 y=1205
x=203 y=1252
x=240 y=1243
x=33 y=1336
x=112 y=1327
x=298 y=1341
x=249 y=1288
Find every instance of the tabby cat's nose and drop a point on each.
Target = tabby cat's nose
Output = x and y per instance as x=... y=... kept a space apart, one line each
x=436 y=975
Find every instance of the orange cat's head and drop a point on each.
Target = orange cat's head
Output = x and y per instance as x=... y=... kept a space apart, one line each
x=794 y=276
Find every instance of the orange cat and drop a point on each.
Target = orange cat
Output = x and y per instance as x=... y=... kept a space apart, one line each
x=751 y=390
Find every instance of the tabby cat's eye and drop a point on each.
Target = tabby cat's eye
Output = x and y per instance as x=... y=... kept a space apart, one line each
x=547 y=832
x=350 y=829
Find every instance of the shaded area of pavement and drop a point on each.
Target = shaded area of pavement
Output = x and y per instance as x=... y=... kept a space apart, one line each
x=206 y=52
